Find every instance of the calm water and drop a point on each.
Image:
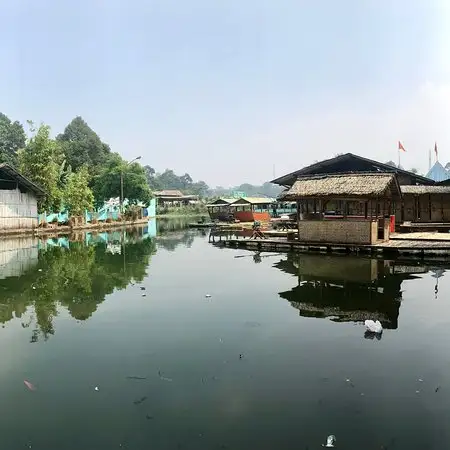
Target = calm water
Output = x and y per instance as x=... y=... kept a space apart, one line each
x=263 y=363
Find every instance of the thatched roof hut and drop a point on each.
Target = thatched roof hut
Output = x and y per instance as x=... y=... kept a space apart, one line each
x=355 y=185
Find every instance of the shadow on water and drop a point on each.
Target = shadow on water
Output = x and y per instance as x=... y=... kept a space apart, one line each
x=346 y=289
x=75 y=274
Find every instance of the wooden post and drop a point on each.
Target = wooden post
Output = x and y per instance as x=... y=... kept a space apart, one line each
x=429 y=206
x=298 y=219
x=366 y=208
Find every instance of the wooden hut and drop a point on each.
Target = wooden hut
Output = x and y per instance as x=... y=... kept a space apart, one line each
x=344 y=208
x=249 y=209
x=221 y=209
x=425 y=206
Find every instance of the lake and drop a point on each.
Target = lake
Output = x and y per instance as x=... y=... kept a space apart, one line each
x=140 y=342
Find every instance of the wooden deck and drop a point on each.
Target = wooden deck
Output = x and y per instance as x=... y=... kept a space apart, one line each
x=422 y=236
x=418 y=248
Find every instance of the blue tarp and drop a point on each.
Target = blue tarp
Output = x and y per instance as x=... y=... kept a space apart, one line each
x=438 y=172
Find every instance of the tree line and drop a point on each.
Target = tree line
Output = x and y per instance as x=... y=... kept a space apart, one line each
x=76 y=169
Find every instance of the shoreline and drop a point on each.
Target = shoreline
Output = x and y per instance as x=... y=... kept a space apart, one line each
x=65 y=229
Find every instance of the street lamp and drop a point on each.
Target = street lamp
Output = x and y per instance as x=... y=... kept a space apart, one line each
x=121 y=182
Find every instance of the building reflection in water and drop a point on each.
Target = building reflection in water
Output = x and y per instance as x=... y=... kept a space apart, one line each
x=346 y=289
x=41 y=277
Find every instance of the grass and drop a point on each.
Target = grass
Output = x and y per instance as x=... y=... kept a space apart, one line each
x=182 y=211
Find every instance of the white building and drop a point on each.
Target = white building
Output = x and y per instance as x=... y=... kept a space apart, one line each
x=18 y=200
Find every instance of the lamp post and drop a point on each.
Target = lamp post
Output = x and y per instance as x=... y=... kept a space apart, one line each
x=121 y=182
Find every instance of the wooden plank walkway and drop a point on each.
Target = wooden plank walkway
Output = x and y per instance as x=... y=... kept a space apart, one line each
x=421 y=236
x=392 y=247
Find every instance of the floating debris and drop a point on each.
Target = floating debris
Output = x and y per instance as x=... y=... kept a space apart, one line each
x=373 y=327
x=251 y=324
x=29 y=385
x=241 y=356
x=39 y=270
x=34 y=287
x=331 y=439
x=144 y=295
x=437 y=389
x=142 y=288
x=96 y=388
x=141 y=400
x=162 y=377
x=420 y=380
x=208 y=295
x=417 y=392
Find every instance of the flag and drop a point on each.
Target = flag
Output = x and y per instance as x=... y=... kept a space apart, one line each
x=400 y=147
x=435 y=148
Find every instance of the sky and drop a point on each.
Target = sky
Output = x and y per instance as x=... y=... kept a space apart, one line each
x=235 y=91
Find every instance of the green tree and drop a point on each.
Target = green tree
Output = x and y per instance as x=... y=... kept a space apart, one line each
x=78 y=196
x=107 y=183
x=40 y=161
x=12 y=138
x=170 y=180
x=82 y=146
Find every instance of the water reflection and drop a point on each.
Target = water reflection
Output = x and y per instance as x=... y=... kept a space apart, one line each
x=345 y=289
x=175 y=232
x=75 y=272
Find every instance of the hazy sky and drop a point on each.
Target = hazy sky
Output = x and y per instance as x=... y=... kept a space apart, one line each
x=225 y=89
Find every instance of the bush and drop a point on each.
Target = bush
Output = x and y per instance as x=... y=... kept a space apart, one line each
x=133 y=213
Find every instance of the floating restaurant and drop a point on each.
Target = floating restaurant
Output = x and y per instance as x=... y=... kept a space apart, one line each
x=346 y=208
x=351 y=203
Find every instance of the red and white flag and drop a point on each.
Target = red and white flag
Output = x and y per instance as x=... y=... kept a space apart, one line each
x=400 y=147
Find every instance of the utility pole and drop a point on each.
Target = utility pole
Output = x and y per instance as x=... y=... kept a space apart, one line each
x=121 y=182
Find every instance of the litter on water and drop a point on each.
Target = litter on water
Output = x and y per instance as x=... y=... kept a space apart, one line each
x=331 y=439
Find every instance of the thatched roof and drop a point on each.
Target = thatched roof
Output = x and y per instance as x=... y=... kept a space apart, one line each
x=421 y=190
x=364 y=185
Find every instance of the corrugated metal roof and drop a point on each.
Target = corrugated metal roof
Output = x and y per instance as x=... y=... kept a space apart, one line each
x=22 y=180
x=254 y=200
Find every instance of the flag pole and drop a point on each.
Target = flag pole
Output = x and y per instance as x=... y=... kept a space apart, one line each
x=398 y=158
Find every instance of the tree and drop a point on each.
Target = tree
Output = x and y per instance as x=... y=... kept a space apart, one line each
x=152 y=178
x=170 y=180
x=40 y=161
x=135 y=186
x=414 y=170
x=12 y=138
x=82 y=146
x=78 y=196
x=391 y=163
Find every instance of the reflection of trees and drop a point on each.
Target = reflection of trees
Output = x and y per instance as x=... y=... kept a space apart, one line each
x=171 y=241
x=77 y=279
